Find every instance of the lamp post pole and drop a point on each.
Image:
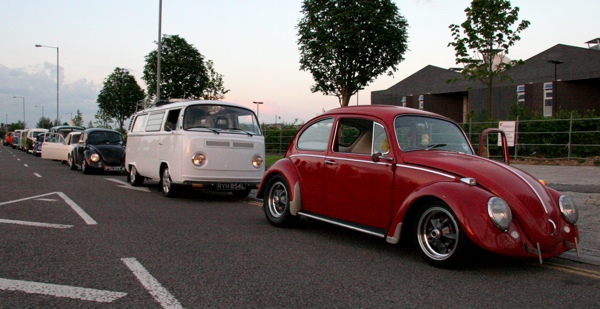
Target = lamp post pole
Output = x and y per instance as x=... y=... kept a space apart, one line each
x=57 y=80
x=42 y=110
x=556 y=62
x=16 y=97
x=257 y=108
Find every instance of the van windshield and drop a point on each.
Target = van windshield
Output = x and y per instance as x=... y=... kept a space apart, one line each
x=220 y=118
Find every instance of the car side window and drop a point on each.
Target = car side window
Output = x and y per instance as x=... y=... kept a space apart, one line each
x=171 y=123
x=316 y=136
x=154 y=122
x=138 y=123
x=360 y=136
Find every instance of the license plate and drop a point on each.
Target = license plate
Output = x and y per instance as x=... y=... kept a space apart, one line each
x=231 y=186
x=114 y=168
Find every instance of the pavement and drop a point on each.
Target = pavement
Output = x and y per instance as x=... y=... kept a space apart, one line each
x=582 y=183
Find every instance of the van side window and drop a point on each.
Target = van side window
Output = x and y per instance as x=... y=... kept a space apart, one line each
x=154 y=122
x=171 y=123
x=138 y=123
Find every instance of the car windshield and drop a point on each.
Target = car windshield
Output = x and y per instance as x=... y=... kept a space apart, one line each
x=426 y=133
x=104 y=138
x=220 y=118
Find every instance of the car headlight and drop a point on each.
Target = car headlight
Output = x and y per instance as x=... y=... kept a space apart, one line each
x=199 y=159
x=568 y=209
x=95 y=157
x=499 y=213
x=257 y=161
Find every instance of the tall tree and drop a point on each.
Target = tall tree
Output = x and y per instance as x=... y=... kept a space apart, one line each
x=183 y=73
x=78 y=119
x=44 y=122
x=119 y=96
x=102 y=119
x=215 y=89
x=346 y=44
x=482 y=41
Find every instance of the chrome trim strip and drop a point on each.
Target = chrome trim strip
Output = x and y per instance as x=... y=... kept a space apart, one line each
x=367 y=158
x=342 y=224
x=513 y=170
x=426 y=170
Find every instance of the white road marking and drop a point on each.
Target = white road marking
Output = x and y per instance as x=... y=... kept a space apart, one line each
x=67 y=200
x=47 y=199
x=126 y=185
x=38 y=224
x=25 y=165
x=160 y=294
x=38 y=175
x=66 y=291
x=77 y=209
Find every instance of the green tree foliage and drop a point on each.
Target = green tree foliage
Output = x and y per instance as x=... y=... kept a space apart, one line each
x=78 y=119
x=103 y=120
x=44 y=122
x=482 y=42
x=346 y=44
x=183 y=72
x=215 y=89
x=119 y=96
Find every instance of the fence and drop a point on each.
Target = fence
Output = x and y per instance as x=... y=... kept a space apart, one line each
x=547 y=138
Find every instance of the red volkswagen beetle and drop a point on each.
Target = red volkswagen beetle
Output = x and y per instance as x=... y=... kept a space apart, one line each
x=390 y=171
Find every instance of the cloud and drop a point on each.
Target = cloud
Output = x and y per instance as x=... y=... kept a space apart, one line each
x=37 y=84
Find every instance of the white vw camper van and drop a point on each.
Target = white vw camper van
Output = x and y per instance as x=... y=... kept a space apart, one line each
x=200 y=144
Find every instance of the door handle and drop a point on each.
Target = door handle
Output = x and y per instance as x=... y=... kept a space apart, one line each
x=330 y=162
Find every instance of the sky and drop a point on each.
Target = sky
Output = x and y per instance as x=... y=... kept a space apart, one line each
x=252 y=43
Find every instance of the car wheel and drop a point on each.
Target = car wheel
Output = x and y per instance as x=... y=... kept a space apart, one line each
x=72 y=165
x=169 y=189
x=276 y=203
x=135 y=179
x=439 y=238
x=85 y=168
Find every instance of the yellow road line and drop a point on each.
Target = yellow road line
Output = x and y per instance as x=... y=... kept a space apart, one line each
x=574 y=270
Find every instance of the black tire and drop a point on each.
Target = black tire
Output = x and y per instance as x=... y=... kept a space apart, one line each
x=85 y=168
x=169 y=189
x=439 y=237
x=72 y=165
x=276 y=203
x=135 y=179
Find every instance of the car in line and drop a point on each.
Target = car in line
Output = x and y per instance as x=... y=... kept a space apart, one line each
x=16 y=139
x=31 y=138
x=390 y=171
x=98 y=150
x=8 y=139
x=56 y=147
x=37 y=146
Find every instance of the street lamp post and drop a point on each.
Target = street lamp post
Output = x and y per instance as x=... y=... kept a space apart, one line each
x=16 y=97
x=556 y=62
x=57 y=81
x=42 y=110
x=257 y=108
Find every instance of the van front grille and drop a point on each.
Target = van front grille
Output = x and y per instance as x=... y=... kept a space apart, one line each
x=218 y=144
x=243 y=145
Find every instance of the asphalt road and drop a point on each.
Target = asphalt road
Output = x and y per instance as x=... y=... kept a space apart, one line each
x=70 y=240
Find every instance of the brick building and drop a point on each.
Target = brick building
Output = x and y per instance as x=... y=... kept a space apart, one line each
x=559 y=78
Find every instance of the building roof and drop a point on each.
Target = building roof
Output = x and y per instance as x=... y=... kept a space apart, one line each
x=578 y=63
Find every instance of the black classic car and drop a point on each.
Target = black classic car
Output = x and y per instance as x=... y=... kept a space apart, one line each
x=98 y=150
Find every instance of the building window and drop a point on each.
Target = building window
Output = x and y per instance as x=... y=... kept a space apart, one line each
x=548 y=99
x=421 y=102
x=403 y=101
x=521 y=94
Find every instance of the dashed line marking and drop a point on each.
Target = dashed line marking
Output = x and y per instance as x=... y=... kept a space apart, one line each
x=37 y=175
x=158 y=292
x=25 y=165
x=66 y=291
